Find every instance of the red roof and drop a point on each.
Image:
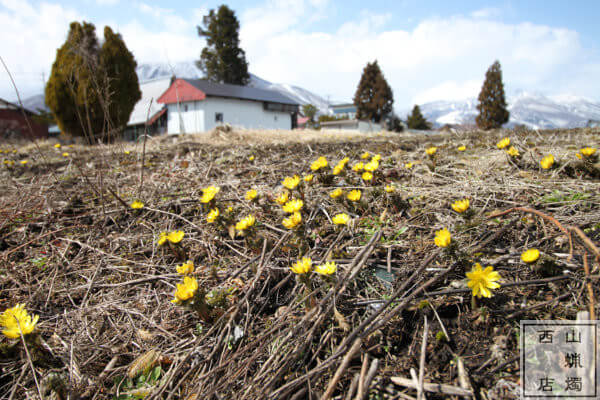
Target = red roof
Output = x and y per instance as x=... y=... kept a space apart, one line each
x=181 y=91
x=302 y=120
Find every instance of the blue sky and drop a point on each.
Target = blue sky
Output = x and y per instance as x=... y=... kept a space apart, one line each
x=428 y=50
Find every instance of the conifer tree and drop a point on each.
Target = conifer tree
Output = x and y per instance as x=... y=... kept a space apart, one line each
x=373 y=97
x=416 y=120
x=492 y=108
x=222 y=60
x=92 y=89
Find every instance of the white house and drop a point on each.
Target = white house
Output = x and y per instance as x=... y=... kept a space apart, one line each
x=147 y=111
x=197 y=105
x=351 y=125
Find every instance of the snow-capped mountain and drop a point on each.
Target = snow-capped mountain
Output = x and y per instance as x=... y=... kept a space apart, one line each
x=526 y=108
x=189 y=70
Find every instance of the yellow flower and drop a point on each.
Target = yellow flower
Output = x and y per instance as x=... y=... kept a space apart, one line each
x=547 y=162
x=209 y=193
x=251 y=194
x=341 y=219
x=175 y=236
x=337 y=169
x=588 y=151
x=358 y=167
x=513 y=152
x=127 y=152
x=302 y=266
x=282 y=198
x=442 y=238
x=212 y=215
x=162 y=238
x=185 y=269
x=334 y=194
x=530 y=256
x=354 y=195
x=292 y=221
x=251 y=158
x=389 y=189
x=23 y=162
x=460 y=206
x=245 y=223
x=344 y=161
x=372 y=165
x=291 y=182
x=57 y=146
x=329 y=268
x=503 y=143
x=185 y=290
x=431 y=151
x=462 y=148
x=365 y=155
x=65 y=154
x=321 y=162
x=308 y=178
x=367 y=176
x=408 y=165
x=376 y=157
x=293 y=206
x=136 y=205
x=16 y=320
x=481 y=281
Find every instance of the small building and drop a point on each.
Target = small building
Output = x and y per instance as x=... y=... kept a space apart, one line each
x=351 y=125
x=148 y=115
x=197 y=105
x=301 y=122
x=344 y=111
x=15 y=123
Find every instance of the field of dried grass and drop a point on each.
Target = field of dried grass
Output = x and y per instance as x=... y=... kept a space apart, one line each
x=78 y=256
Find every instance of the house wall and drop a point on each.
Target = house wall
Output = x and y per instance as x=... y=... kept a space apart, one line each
x=13 y=125
x=200 y=115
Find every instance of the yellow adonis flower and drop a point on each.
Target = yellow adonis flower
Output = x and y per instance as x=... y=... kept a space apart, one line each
x=282 y=198
x=389 y=189
x=291 y=182
x=462 y=148
x=292 y=221
x=16 y=320
x=251 y=194
x=376 y=157
x=513 y=152
x=344 y=161
x=372 y=165
x=251 y=158
x=460 y=206
x=65 y=154
x=482 y=280
x=337 y=169
x=503 y=143
x=319 y=163
x=245 y=223
x=408 y=165
x=302 y=266
x=127 y=152
x=530 y=256
x=293 y=206
x=367 y=176
x=136 y=205
x=212 y=215
x=547 y=162
x=186 y=268
x=334 y=194
x=209 y=193
x=329 y=268
x=23 y=162
x=588 y=151
x=308 y=178
x=354 y=195
x=358 y=167
x=341 y=219
x=162 y=238
x=442 y=238
x=175 y=236
x=431 y=151
x=57 y=146
x=365 y=155
x=185 y=290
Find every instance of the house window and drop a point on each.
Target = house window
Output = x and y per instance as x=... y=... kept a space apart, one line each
x=276 y=118
x=218 y=117
x=185 y=108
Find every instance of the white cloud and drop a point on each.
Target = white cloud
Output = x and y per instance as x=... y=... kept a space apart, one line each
x=449 y=90
x=107 y=2
x=489 y=12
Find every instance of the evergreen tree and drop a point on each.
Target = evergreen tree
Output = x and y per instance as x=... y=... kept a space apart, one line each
x=373 y=97
x=92 y=89
x=492 y=103
x=222 y=60
x=416 y=120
